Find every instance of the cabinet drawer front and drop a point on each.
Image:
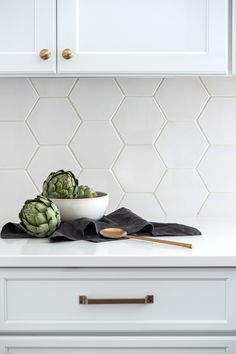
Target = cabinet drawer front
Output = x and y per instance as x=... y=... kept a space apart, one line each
x=186 y=300
x=118 y=345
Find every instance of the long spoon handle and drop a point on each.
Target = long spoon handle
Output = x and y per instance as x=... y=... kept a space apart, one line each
x=174 y=243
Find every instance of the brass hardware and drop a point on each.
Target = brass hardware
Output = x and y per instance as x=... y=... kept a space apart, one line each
x=67 y=54
x=45 y=54
x=113 y=232
x=83 y=300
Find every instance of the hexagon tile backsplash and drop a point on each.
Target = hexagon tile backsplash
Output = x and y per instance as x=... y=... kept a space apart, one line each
x=160 y=146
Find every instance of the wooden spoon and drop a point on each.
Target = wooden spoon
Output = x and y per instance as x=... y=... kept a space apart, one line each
x=113 y=232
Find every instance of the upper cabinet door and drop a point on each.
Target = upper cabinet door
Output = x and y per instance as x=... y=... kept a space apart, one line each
x=234 y=37
x=27 y=27
x=142 y=36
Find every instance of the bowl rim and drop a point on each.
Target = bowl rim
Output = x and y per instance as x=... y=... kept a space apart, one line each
x=99 y=195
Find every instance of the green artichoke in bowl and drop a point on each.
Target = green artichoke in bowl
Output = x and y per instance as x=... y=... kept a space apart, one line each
x=61 y=184
x=39 y=217
x=86 y=192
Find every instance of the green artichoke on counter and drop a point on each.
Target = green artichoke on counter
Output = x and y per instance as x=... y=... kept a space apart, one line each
x=86 y=192
x=39 y=217
x=61 y=184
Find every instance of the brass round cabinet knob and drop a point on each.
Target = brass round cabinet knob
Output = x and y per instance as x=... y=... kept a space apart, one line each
x=45 y=54
x=67 y=54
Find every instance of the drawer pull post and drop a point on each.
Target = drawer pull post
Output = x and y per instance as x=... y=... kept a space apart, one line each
x=83 y=300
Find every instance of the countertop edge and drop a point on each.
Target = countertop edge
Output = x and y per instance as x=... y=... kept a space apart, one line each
x=116 y=262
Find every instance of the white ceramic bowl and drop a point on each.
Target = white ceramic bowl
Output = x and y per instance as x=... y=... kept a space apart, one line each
x=93 y=208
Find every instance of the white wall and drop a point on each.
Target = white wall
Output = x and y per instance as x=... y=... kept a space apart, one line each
x=159 y=146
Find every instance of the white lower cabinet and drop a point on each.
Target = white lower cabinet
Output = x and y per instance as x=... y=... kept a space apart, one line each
x=130 y=310
x=117 y=345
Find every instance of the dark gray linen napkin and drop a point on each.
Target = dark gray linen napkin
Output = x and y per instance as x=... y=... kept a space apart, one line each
x=88 y=229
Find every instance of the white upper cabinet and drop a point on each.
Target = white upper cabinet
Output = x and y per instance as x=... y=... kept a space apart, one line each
x=234 y=37
x=113 y=37
x=27 y=27
x=142 y=36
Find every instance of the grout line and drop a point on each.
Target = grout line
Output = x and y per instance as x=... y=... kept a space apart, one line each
x=33 y=87
x=75 y=157
x=158 y=87
x=116 y=110
x=197 y=122
x=74 y=108
x=121 y=200
x=161 y=179
x=162 y=128
x=119 y=86
x=155 y=193
x=159 y=203
x=203 y=181
x=79 y=120
x=12 y=169
x=32 y=181
x=28 y=125
x=32 y=157
x=116 y=160
x=72 y=87
x=117 y=180
x=160 y=157
x=31 y=110
x=12 y=121
x=75 y=132
x=204 y=86
x=203 y=203
x=118 y=133
x=223 y=96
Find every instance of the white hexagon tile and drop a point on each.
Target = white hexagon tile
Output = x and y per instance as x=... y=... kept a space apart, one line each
x=103 y=180
x=53 y=87
x=139 y=120
x=53 y=121
x=181 y=192
x=17 y=98
x=181 y=98
x=181 y=144
x=219 y=205
x=96 y=98
x=220 y=86
x=96 y=144
x=218 y=169
x=218 y=120
x=139 y=168
x=143 y=204
x=51 y=158
x=17 y=145
x=14 y=194
x=139 y=86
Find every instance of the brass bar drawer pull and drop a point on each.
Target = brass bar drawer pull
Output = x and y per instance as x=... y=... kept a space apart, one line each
x=83 y=300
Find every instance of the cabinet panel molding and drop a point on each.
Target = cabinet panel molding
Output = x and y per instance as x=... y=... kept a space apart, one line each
x=184 y=300
x=118 y=345
x=143 y=37
x=27 y=27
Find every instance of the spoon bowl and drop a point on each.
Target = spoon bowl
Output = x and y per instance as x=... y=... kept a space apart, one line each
x=116 y=233
x=113 y=232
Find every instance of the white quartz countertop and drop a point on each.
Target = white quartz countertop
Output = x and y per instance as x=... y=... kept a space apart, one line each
x=215 y=248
